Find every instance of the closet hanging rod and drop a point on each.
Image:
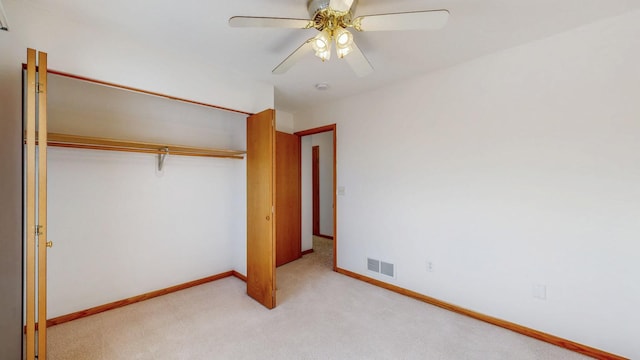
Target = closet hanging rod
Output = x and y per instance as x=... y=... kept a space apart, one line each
x=96 y=143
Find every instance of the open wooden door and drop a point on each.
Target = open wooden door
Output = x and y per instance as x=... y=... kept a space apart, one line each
x=36 y=207
x=261 y=191
x=288 y=207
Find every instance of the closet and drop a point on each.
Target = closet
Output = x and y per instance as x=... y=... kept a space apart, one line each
x=142 y=193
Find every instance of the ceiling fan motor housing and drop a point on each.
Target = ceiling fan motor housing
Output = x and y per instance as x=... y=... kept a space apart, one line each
x=325 y=17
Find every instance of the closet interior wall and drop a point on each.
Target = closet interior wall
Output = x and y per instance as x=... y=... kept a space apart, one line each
x=122 y=227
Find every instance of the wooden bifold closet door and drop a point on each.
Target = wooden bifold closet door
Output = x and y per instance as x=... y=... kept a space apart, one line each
x=36 y=206
x=261 y=229
x=273 y=204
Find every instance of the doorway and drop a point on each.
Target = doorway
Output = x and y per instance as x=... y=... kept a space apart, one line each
x=318 y=181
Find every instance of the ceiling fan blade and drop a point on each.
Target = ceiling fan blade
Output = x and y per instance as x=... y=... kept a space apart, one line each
x=415 y=20
x=341 y=5
x=295 y=56
x=256 y=21
x=358 y=62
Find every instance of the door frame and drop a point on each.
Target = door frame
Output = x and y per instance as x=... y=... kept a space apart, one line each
x=319 y=130
x=315 y=189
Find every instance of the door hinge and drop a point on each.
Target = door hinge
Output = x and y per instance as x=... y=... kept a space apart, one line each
x=39 y=88
x=38 y=230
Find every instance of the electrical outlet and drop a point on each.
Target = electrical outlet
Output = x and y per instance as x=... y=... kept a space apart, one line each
x=429 y=266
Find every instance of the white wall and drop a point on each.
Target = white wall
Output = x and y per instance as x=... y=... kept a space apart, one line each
x=121 y=228
x=83 y=108
x=284 y=122
x=515 y=169
x=325 y=142
x=238 y=207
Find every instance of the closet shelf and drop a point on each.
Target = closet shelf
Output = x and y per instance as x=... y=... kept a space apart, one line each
x=95 y=143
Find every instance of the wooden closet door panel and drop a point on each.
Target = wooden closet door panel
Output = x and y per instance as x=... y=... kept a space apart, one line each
x=288 y=226
x=30 y=292
x=36 y=207
x=43 y=243
x=261 y=220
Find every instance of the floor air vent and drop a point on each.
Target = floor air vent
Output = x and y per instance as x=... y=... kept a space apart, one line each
x=386 y=269
x=373 y=265
x=381 y=267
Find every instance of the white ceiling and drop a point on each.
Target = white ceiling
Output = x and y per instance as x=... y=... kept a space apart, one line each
x=199 y=28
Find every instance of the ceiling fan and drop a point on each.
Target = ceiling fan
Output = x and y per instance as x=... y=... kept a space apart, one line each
x=333 y=18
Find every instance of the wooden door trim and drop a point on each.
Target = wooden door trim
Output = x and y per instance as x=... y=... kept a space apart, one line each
x=319 y=130
x=324 y=236
x=315 y=189
x=300 y=192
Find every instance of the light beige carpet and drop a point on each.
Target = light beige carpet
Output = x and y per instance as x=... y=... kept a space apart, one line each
x=320 y=315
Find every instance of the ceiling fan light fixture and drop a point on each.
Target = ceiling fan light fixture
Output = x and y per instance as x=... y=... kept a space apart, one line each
x=343 y=37
x=324 y=55
x=322 y=45
x=342 y=52
x=3 y=19
x=344 y=42
x=333 y=18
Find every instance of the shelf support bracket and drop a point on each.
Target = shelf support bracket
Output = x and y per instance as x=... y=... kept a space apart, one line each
x=162 y=157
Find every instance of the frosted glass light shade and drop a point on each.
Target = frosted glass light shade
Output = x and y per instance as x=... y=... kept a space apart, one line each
x=322 y=45
x=3 y=19
x=344 y=42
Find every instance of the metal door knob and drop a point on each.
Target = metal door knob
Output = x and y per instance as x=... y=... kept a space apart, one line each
x=49 y=244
